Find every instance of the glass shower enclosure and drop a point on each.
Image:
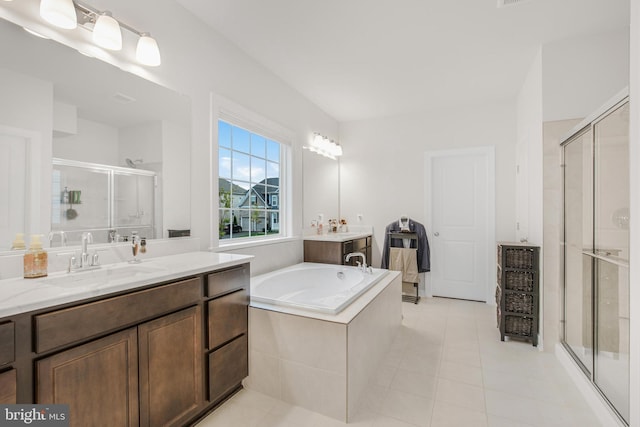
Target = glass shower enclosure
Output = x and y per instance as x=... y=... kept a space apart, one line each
x=596 y=252
x=110 y=202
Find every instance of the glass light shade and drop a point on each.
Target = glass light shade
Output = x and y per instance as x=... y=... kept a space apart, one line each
x=147 y=52
x=61 y=13
x=107 y=32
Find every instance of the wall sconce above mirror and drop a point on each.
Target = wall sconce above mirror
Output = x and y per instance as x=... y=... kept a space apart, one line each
x=324 y=146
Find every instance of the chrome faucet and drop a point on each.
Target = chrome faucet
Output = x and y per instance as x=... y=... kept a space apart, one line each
x=362 y=266
x=63 y=238
x=86 y=262
x=84 y=257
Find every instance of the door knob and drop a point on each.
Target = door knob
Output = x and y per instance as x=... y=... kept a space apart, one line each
x=436 y=234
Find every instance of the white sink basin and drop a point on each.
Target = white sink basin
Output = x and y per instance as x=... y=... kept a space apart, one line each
x=101 y=275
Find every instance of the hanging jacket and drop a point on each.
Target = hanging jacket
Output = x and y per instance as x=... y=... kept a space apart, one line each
x=424 y=262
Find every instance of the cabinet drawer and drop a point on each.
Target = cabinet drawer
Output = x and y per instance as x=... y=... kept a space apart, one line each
x=73 y=324
x=228 y=317
x=7 y=343
x=227 y=280
x=8 y=387
x=228 y=366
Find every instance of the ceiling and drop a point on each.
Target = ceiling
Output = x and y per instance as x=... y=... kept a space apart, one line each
x=362 y=59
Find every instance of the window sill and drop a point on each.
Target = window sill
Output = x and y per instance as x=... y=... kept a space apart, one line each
x=263 y=242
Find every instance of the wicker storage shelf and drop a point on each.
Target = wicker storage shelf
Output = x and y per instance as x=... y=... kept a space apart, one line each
x=517 y=293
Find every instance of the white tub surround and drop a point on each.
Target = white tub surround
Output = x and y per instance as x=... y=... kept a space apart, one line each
x=321 y=361
x=20 y=295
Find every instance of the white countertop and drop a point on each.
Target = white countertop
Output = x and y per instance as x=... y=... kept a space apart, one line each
x=23 y=295
x=337 y=237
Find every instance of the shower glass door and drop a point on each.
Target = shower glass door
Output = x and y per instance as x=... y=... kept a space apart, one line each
x=596 y=253
x=611 y=239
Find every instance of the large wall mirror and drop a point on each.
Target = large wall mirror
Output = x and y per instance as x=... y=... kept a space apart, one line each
x=85 y=146
x=321 y=188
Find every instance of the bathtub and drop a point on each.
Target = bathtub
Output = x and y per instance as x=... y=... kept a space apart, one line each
x=302 y=353
x=322 y=288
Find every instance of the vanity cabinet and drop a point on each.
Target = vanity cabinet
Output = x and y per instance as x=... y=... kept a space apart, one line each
x=162 y=355
x=151 y=372
x=334 y=252
x=8 y=379
x=228 y=328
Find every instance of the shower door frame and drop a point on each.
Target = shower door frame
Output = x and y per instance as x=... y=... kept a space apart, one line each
x=589 y=124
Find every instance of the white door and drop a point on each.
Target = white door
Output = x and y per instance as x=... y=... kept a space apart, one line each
x=460 y=204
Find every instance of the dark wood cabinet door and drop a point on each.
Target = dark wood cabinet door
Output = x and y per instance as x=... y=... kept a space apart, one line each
x=98 y=380
x=228 y=366
x=228 y=317
x=7 y=343
x=171 y=351
x=8 y=387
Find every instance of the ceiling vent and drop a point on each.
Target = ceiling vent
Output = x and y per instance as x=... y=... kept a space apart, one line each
x=122 y=98
x=504 y=3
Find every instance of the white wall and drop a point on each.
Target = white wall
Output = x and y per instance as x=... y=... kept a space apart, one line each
x=529 y=155
x=140 y=141
x=580 y=74
x=175 y=177
x=382 y=169
x=95 y=143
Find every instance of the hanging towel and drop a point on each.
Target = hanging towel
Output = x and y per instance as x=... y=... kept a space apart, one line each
x=405 y=260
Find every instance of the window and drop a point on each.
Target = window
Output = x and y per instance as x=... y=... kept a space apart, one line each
x=248 y=184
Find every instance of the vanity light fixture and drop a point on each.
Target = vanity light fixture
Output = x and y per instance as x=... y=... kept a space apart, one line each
x=107 y=30
x=324 y=146
x=61 y=13
x=147 y=52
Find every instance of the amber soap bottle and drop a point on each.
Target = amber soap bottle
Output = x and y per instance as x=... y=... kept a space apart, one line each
x=35 y=259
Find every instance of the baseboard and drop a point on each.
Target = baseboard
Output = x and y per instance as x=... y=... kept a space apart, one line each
x=606 y=415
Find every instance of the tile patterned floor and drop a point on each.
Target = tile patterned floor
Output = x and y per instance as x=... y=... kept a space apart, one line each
x=447 y=367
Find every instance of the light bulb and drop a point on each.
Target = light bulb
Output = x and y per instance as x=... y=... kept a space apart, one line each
x=61 y=13
x=147 y=52
x=107 y=32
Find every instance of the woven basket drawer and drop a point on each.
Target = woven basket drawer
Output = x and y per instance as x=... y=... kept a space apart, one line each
x=518 y=303
x=517 y=325
x=522 y=281
x=519 y=258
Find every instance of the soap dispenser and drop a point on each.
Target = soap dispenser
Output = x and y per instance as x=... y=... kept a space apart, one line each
x=18 y=243
x=35 y=259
